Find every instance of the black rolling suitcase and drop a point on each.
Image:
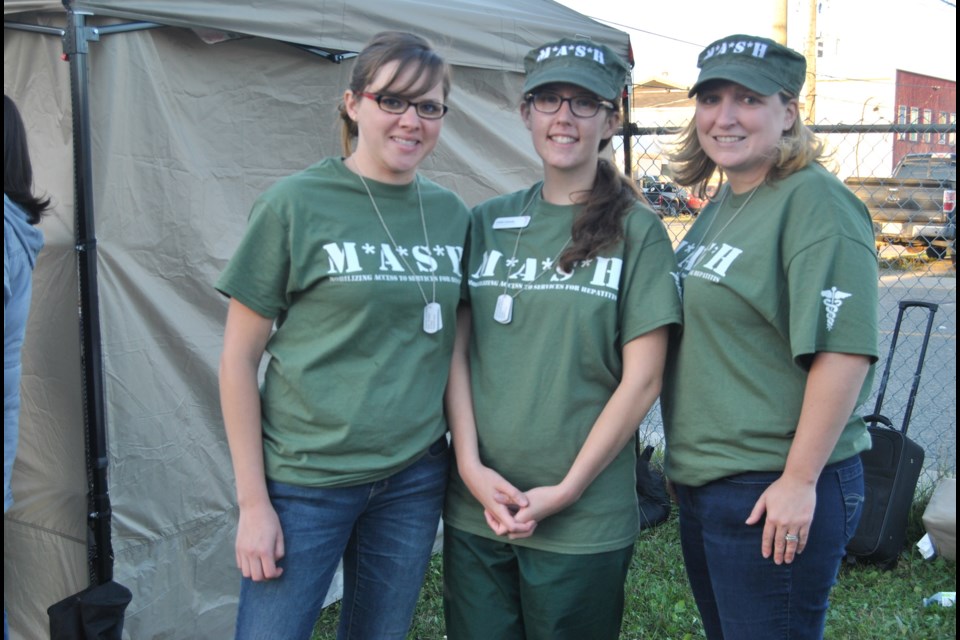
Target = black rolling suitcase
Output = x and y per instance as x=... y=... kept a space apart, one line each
x=891 y=468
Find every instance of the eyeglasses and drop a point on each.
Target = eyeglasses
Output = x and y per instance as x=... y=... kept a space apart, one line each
x=427 y=109
x=583 y=106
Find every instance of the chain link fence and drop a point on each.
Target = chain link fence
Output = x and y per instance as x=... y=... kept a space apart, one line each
x=917 y=272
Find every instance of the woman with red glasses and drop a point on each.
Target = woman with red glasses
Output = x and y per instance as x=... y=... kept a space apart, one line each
x=348 y=277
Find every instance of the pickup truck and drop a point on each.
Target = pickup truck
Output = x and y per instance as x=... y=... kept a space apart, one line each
x=669 y=199
x=917 y=206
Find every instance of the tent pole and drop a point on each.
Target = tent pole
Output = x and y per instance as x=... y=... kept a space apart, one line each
x=99 y=546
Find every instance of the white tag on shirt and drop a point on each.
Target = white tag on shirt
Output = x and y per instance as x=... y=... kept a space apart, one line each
x=511 y=222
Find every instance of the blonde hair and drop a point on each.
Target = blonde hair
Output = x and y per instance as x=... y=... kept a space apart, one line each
x=797 y=148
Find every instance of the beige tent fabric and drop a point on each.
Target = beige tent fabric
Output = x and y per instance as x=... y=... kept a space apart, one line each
x=185 y=135
x=488 y=34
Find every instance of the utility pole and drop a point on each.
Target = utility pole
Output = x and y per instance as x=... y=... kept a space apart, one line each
x=811 y=55
x=780 y=21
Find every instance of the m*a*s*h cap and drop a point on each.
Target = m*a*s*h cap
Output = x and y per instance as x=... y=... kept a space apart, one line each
x=583 y=63
x=759 y=64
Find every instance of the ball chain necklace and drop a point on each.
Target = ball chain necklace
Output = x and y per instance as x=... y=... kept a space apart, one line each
x=503 y=311
x=432 y=313
x=705 y=243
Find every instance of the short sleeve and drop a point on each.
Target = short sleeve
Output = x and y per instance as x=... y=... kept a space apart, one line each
x=833 y=289
x=650 y=296
x=258 y=273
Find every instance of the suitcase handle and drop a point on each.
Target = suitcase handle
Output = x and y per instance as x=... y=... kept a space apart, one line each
x=903 y=305
x=874 y=418
x=932 y=306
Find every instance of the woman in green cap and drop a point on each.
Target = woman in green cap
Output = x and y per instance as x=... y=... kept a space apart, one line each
x=779 y=277
x=559 y=357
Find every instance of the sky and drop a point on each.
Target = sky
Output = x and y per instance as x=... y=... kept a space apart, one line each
x=870 y=38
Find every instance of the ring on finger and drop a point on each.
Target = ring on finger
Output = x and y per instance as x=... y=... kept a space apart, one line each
x=791 y=537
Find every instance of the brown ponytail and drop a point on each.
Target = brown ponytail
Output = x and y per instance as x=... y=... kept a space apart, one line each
x=600 y=224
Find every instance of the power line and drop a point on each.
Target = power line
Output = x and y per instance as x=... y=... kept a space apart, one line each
x=649 y=33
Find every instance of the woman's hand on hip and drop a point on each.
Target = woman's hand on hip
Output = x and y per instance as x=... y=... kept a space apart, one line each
x=789 y=507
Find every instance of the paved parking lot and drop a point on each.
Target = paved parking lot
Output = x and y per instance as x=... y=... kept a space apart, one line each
x=934 y=421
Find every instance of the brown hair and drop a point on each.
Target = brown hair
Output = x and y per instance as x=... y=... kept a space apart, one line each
x=600 y=223
x=412 y=53
x=17 y=170
x=797 y=147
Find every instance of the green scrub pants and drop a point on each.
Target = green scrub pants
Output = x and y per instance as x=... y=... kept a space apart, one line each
x=495 y=589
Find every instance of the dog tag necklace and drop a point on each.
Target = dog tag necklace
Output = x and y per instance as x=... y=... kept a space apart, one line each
x=503 y=311
x=706 y=242
x=432 y=313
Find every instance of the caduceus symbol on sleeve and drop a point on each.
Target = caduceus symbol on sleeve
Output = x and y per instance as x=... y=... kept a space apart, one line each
x=832 y=300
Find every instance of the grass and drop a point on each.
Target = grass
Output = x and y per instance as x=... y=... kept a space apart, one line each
x=866 y=604
x=917 y=262
x=870 y=603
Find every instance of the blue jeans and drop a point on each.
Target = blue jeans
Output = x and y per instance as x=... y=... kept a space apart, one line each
x=741 y=595
x=384 y=531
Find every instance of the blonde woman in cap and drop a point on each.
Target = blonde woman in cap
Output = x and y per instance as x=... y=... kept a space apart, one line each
x=571 y=298
x=779 y=278
x=343 y=451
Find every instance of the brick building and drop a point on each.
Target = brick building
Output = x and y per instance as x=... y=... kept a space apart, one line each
x=922 y=99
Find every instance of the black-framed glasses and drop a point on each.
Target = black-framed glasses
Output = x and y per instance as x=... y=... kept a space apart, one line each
x=427 y=109
x=582 y=106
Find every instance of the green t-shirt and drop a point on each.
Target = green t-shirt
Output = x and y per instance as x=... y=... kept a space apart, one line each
x=793 y=274
x=353 y=389
x=540 y=382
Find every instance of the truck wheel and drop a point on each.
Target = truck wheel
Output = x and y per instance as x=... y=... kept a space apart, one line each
x=935 y=252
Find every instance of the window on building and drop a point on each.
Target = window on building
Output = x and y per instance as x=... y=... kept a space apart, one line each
x=952 y=136
x=914 y=119
x=944 y=118
x=927 y=120
x=902 y=119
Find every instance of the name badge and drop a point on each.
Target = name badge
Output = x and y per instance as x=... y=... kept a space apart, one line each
x=512 y=222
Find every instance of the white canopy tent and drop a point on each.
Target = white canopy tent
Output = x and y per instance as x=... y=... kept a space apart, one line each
x=187 y=124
